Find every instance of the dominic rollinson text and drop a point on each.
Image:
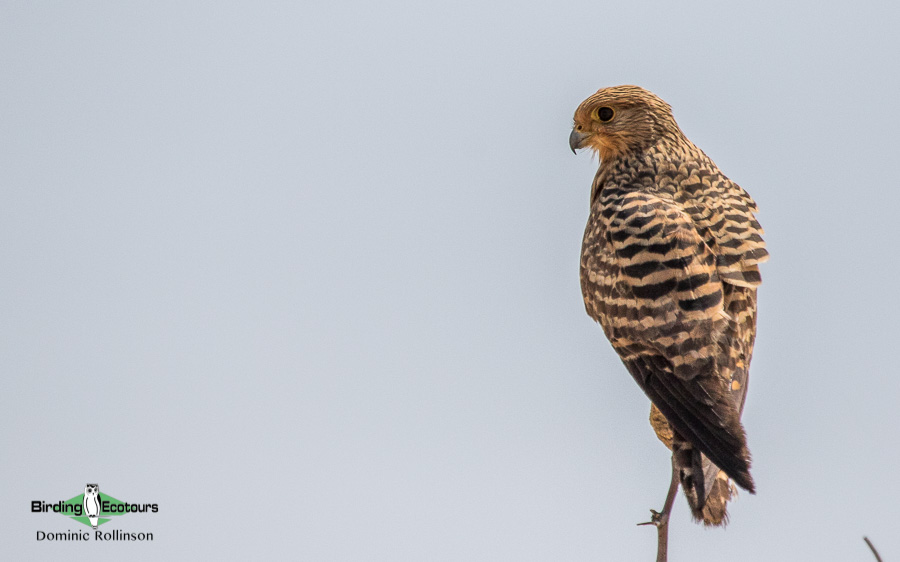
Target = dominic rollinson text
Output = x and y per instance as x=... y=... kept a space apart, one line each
x=115 y=535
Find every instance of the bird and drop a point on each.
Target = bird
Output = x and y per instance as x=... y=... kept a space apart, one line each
x=670 y=268
x=92 y=503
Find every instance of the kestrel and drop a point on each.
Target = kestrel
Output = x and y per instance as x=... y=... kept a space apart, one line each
x=669 y=268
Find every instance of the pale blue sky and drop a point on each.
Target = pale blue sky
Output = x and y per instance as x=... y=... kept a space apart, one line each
x=306 y=276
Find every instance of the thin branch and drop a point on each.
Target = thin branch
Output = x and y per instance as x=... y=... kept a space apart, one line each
x=661 y=519
x=872 y=546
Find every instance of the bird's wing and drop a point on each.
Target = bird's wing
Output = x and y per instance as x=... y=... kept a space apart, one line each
x=724 y=215
x=663 y=309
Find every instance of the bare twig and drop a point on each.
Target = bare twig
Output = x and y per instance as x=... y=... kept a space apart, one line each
x=872 y=546
x=661 y=520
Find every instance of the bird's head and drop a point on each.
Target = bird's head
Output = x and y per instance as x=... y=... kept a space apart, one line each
x=621 y=119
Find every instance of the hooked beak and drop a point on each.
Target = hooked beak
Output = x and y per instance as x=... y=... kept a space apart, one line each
x=576 y=140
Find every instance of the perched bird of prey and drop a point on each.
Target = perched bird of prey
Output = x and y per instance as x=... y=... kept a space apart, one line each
x=669 y=268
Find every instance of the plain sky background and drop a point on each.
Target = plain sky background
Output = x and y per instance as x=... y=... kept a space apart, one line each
x=306 y=276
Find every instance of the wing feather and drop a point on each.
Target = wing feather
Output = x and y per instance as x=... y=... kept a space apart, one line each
x=657 y=292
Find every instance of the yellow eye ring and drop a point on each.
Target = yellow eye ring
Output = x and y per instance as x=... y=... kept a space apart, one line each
x=603 y=114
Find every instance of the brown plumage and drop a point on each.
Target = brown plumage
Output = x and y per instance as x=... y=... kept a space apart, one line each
x=669 y=270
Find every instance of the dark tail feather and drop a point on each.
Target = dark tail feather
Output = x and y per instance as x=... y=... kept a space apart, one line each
x=706 y=487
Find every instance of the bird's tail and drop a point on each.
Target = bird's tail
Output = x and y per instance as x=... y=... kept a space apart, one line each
x=707 y=488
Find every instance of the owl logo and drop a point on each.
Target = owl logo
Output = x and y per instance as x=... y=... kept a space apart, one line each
x=92 y=503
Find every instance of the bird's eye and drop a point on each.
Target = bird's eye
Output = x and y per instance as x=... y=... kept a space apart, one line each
x=604 y=114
